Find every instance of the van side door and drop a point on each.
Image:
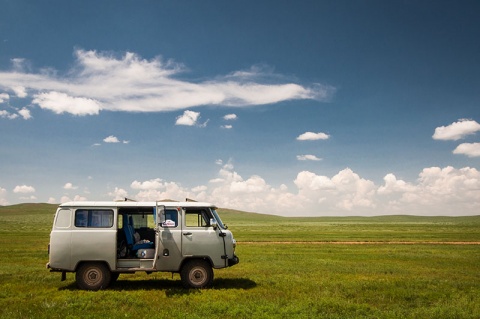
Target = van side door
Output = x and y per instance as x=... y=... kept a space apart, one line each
x=169 y=239
x=201 y=239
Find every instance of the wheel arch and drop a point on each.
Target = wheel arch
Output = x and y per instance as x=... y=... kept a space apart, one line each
x=188 y=259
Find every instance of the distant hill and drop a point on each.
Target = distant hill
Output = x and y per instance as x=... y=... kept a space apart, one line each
x=28 y=209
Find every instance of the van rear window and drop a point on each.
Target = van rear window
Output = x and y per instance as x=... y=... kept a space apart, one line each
x=94 y=218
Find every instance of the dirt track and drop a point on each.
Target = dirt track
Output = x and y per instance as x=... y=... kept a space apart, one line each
x=363 y=242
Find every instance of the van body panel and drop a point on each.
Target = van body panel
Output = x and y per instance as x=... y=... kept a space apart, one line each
x=94 y=245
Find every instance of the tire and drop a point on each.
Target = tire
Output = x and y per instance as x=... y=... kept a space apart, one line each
x=93 y=276
x=196 y=274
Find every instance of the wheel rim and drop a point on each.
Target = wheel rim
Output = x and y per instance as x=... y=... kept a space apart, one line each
x=198 y=276
x=92 y=276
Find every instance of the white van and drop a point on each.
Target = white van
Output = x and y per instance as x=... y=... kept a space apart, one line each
x=100 y=240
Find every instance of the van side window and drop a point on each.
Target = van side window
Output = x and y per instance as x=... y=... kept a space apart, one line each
x=197 y=218
x=94 y=218
x=63 y=218
x=171 y=218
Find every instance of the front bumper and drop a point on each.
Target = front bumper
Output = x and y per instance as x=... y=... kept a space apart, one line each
x=233 y=261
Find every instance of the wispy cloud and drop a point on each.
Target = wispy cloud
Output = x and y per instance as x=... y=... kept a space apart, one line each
x=101 y=81
x=308 y=158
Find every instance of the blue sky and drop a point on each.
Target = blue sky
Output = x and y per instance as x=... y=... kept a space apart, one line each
x=304 y=108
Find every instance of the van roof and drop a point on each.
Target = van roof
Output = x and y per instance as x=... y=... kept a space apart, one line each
x=134 y=204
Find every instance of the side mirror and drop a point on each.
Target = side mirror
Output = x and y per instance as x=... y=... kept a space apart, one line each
x=213 y=223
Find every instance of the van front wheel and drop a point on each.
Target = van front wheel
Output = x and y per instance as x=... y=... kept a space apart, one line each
x=93 y=276
x=196 y=274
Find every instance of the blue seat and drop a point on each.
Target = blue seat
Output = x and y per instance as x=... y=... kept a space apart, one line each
x=130 y=236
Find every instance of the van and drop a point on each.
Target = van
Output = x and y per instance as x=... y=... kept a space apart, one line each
x=101 y=240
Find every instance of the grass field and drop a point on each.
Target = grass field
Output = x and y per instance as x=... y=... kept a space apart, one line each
x=289 y=268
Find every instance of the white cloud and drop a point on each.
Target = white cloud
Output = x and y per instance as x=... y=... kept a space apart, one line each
x=437 y=191
x=62 y=103
x=230 y=117
x=118 y=194
x=52 y=200
x=20 y=91
x=24 y=189
x=310 y=136
x=156 y=183
x=111 y=139
x=76 y=198
x=25 y=113
x=8 y=115
x=69 y=186
x=100 y=81
x=227 y=127
x=308 y=158
x=189 y=118
x=4 y=97
x=469 y=149
x=456 y=130
x=392 y=185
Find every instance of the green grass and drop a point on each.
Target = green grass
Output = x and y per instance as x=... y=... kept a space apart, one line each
x=299 y=280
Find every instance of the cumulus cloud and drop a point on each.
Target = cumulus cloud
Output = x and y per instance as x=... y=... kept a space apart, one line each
x=437 y=191
x=4 y=97
x=69 y=186
x=227 y=127
x=19 y=91
x=230 y=117
x=456 y=130
x=8 y=115
x=76 y=198
x=189 y=118
x=101 y=81
x=111 y=139
x=24 y=189
x=118 y=194
x=310 y=136
x=25 y=113
x=469 y=149
x=308 y=158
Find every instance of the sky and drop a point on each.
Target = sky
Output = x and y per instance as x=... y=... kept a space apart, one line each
x=292 y=108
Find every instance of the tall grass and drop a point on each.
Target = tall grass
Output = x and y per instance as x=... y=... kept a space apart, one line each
x=298 y=280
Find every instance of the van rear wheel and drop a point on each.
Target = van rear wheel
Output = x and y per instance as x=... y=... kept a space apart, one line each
x=196 y=274
x=93 y=276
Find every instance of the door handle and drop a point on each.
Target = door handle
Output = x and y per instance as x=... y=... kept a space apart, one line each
x=187 y=234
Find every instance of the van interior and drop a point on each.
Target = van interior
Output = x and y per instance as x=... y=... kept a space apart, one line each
x=136 y=231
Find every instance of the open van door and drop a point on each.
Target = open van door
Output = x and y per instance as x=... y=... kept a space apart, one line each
x=168 y=238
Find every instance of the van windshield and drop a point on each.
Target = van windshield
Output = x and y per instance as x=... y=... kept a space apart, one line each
x=217 y=217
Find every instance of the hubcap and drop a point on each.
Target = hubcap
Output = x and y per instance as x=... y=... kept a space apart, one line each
x=198 y=276
x=93 y=276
